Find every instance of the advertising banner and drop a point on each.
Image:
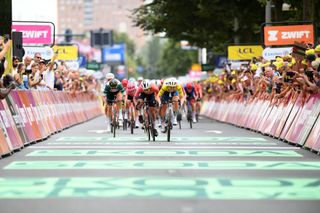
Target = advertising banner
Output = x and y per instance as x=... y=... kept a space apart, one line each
x=35 y=33
x=46 y=52
x=287 y=35
x=16 y=118
x=244 y=52
x=26 y=123
x=4 y=140
x=114 y=55
x=271 y=53
x=66 y=53
x=9 y=124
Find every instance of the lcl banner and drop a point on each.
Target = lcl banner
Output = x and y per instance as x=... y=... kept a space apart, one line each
x=287 y=35
x=244 y=52
x=35 y=33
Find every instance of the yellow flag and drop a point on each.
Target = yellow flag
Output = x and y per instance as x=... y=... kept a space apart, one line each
x=8 y=56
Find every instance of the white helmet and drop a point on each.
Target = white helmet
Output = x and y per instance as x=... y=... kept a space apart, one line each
x=109 y=76
x=146 y=84
x=172 y=82
x=140 y=79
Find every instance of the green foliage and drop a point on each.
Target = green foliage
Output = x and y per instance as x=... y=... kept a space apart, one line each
x=204 y=23
x=210 y=23
x=175 y=61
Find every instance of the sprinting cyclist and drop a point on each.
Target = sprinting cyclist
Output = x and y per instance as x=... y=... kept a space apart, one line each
x=147 y=92
x=191 y=96
x=198 y=89
x=131 y=91
x=113 y=91
x=170 y=90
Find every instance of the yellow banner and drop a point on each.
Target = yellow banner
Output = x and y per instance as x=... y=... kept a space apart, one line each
x=8 y=56
x=66 y=53
x=244 y=52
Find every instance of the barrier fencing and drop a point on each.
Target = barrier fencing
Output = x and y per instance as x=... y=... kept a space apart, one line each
x=28 y=116
x=293 y=120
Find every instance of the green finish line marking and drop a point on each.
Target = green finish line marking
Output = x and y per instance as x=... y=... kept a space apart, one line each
x=206 y=165
x=162 y=188
x=183 y=139
x=157 y=153
x=147 y=143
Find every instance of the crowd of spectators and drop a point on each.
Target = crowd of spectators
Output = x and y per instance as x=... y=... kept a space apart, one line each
x=39 y=74
x=276 y=80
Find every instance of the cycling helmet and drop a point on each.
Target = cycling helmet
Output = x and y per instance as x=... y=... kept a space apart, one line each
x=131 y=86
x=132 y=79
x=158 y=83
x=109 y=76
x=113 y=83
x=146 y=84
x=140 y=79
x=189 y=85
x=172 y=82
x=124 y=82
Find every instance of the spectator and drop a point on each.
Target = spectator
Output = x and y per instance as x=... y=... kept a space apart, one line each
x=37 y=57
x=27 y=62
x=19 y=77
x=48 y=74
x=34 y=77
x=58 y=81
x=15 y=62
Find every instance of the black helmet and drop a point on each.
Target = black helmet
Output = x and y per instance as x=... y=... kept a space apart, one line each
x=113 y=83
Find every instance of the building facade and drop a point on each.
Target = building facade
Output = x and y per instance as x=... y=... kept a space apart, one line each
x=84 y=15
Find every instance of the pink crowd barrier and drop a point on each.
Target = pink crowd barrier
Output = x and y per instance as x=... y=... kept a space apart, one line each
x=31 y=116
x=295 y=120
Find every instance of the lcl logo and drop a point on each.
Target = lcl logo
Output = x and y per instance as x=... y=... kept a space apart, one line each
x=245 y=50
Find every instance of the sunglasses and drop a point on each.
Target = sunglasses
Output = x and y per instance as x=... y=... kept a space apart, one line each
x=38 y=57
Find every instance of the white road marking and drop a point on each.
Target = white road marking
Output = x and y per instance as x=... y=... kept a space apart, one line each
x=163 y=147
x=215 y=131
x=99 y=131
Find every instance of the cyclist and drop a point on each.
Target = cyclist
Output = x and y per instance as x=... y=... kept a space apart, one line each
x=140 y=79
x=170 y=90
x=191 y=96
x=131 y=91
x=198 y=88
x=122 y=114
x=147 y=91
x=113 y=91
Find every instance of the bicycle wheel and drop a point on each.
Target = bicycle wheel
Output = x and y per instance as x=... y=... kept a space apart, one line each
x=114 y=124
x=179 y=118
x=125 y=123
x=147 y=129
x=190 y=116
x=151 y=126
x=132 y=122
x=169 y=125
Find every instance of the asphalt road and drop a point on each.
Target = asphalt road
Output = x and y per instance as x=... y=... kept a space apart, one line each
x=213 y=167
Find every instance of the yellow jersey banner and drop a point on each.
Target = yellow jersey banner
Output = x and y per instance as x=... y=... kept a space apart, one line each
x=66 y=53
x=244 y=52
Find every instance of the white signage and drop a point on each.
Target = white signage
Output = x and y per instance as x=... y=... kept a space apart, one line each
x=46 y=52
x=271 y=53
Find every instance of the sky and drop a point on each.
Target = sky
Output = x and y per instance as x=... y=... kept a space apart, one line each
x=34 y=10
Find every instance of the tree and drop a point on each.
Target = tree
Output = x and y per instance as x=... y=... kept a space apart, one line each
x=175 y=61
x=204 y=23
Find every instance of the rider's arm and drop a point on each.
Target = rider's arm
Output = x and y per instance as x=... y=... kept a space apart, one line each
x=162 y=90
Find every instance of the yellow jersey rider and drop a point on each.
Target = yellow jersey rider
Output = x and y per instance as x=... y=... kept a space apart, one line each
x=171 y=90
